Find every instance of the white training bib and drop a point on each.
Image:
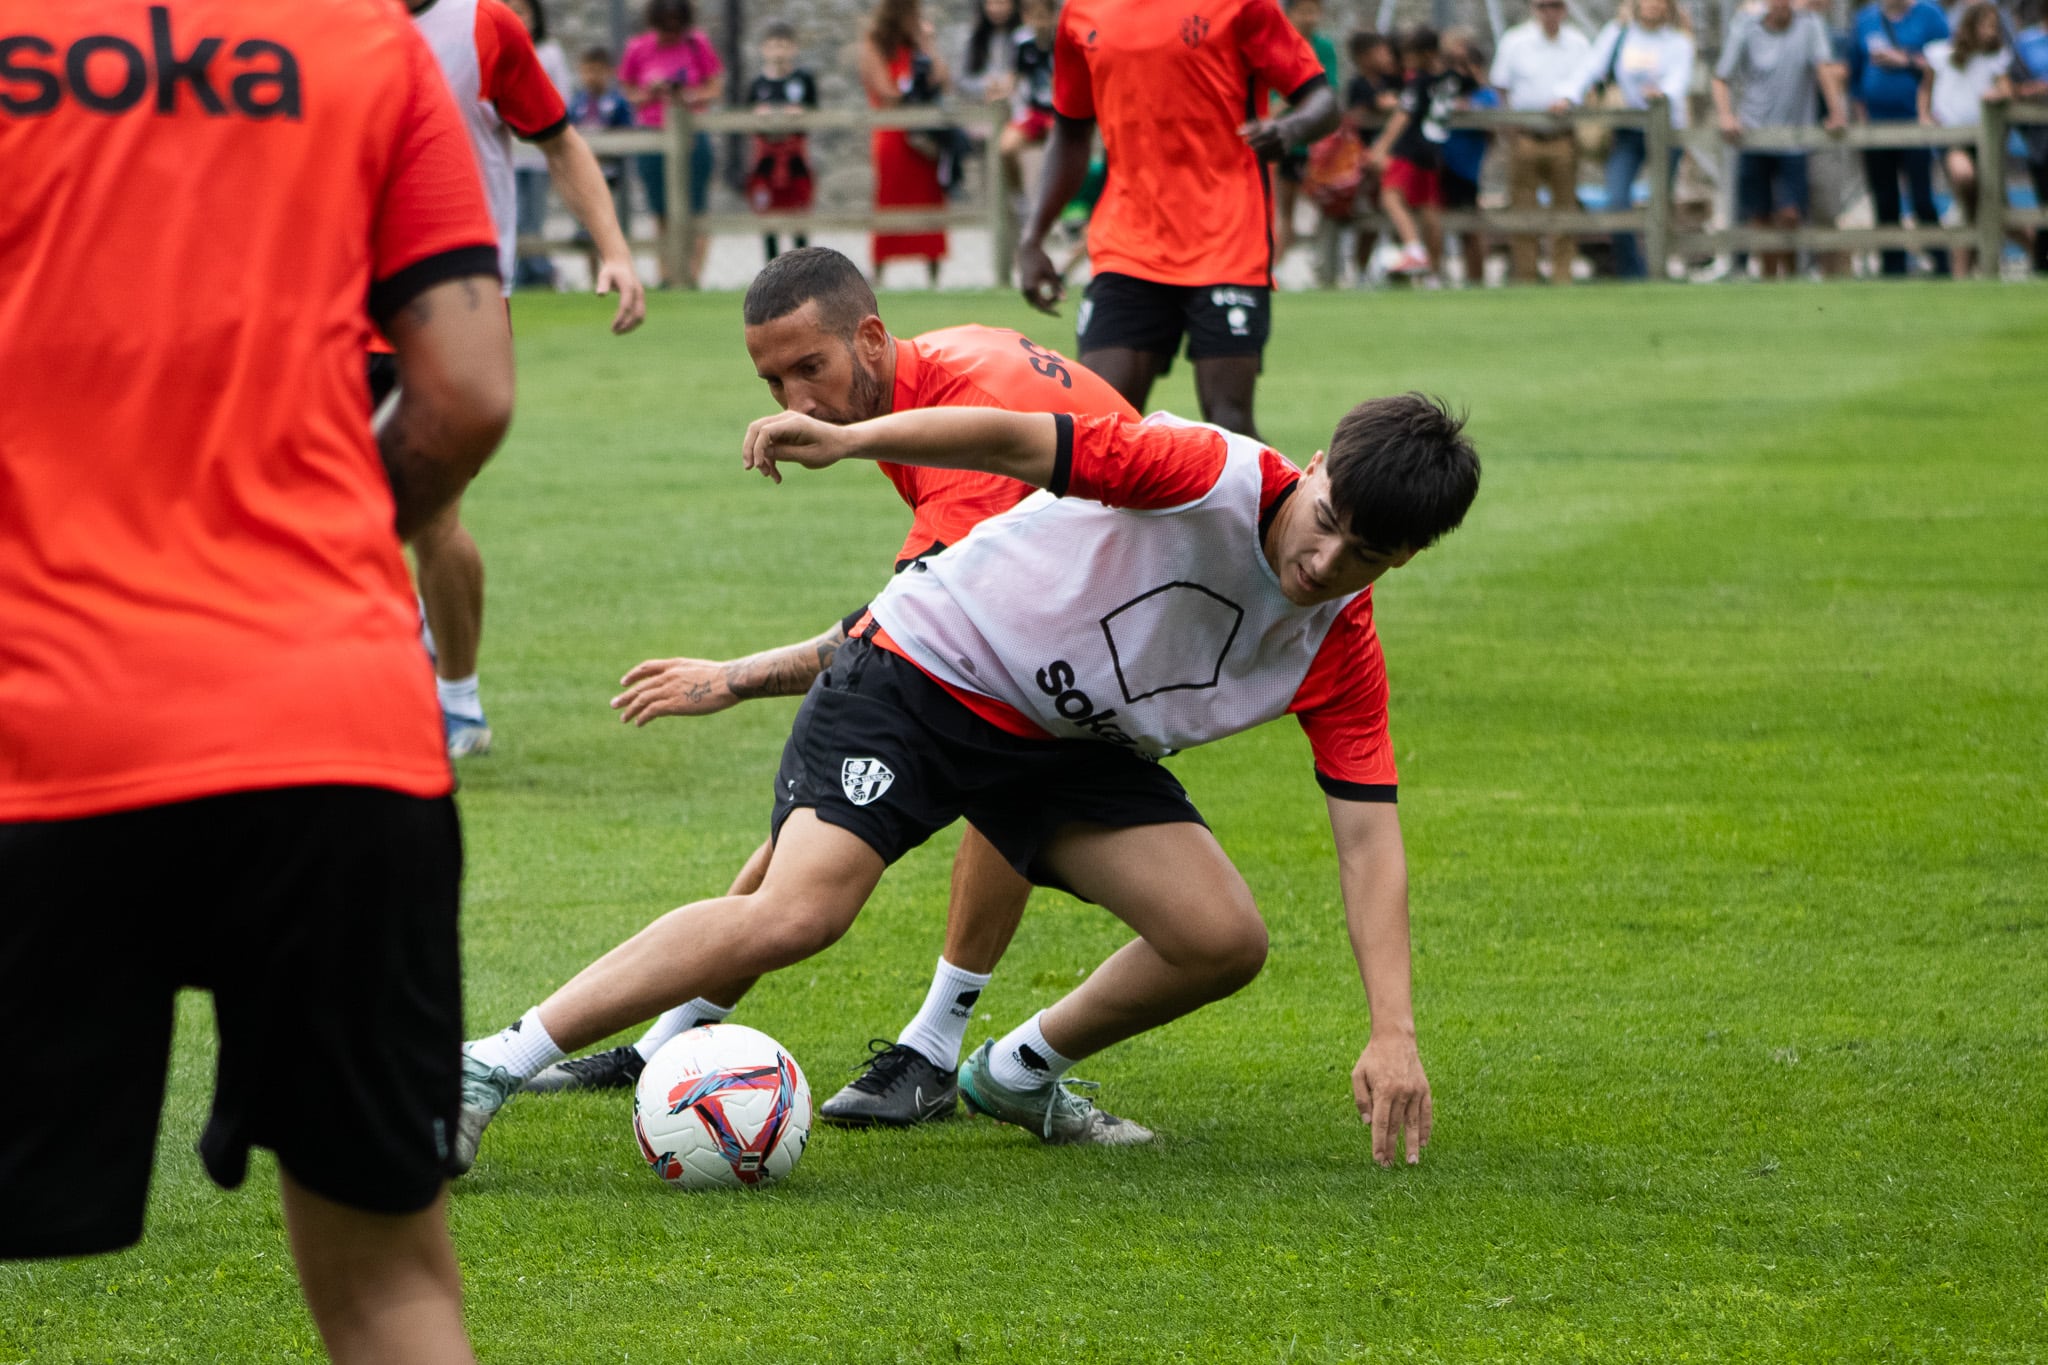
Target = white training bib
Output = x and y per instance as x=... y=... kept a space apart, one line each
x=449 y=26
x=1158 y=629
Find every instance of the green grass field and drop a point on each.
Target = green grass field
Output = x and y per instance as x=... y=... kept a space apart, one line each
x=1724 y=754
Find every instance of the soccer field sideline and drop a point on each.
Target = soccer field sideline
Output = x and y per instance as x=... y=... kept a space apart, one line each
x=1723 y=749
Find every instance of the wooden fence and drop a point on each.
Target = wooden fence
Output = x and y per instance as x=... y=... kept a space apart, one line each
x=1657 y=222
x=990 y=208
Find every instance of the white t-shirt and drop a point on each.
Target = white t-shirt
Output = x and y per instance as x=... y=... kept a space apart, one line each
x=1536 y=71
x=1958 y=96
x=1659 y=57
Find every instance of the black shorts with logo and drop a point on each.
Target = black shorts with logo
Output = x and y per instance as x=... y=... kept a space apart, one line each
x=1122 y=312
x=882 y=751
x=322 y=919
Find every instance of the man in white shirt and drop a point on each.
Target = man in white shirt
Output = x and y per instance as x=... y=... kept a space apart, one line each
x=1537 y=60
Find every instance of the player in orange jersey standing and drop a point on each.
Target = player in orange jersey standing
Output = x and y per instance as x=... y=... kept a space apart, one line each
x=220 y=763
x=818 y=341
x=1182 y=238
x=489 y=60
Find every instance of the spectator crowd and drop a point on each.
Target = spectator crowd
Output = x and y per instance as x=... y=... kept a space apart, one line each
x=1388 y=176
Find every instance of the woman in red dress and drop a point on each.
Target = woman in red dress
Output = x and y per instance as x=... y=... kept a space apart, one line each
x=899 y=66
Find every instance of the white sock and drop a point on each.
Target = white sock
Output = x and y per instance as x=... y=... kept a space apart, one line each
x=523 y=1049
x=941 y=1024
x=672 y=1022
x=459 y=698
x=1023 y=1060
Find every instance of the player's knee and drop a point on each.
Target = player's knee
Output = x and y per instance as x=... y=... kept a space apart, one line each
x=1241 y=955
x=789 y=928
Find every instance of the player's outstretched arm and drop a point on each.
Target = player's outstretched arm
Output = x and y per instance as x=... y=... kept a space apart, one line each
x=1066 y=170
x=577 y=177
x=1020 y=445
x=454 y=348
x=703 y=687
x=1389 y=1084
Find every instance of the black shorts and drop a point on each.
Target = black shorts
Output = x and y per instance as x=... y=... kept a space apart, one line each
x=1126 y=313
x=322 y=919
x=882 y=751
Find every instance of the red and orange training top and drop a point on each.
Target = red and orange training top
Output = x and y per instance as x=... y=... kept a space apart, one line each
x=981 y=367
x=200 y=585
x=1169 y=82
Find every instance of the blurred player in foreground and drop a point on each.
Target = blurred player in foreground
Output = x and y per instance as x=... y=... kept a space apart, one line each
x=816 y=337
x=1182 y=239
x=1184 y=584
x=490 y=63
x=220 y=762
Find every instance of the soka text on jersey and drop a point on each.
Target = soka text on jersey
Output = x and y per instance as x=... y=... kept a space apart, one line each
x=109 y=74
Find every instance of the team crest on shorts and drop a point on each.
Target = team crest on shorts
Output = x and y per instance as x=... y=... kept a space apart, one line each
x=864 y=779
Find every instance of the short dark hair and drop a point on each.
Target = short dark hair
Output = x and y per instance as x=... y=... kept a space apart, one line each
x=1364 y=41
x=1421 y=38
x=674 y=13
x=780 y=29
x=795 y=278
x=602 y=55
x=1402 y=472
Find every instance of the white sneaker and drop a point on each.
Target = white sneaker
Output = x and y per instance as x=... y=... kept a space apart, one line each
x=1413 y=260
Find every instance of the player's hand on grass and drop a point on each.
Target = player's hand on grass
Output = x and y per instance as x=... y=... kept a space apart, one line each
x=790 y=437
x=673 y=687
x=620 y=276
x=1393 y=1097
x=1039 y=278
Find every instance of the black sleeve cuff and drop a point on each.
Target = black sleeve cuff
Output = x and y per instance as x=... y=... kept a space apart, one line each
x=392 y=293
x=1063 y=454
x=1307 y=88
x=552 y=130
x=1385 y=793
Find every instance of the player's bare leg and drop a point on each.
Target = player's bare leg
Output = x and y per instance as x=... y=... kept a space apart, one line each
x=381 y=1287
x=1225 y=386
x=1127 y=371
x=916 y=1077
x=816 y=883
x=1200 y=939
x=451 y=582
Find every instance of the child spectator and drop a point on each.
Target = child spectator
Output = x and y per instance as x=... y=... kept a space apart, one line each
x=1410 y=153
x=781 y=176
x=1307 y=18
x=1369 y=97
x=1961 y=74
x=1465 y=149
x=1031 y=113
x=596 y=106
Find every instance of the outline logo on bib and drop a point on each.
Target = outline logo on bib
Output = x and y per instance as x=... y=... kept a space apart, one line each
x=864 y=779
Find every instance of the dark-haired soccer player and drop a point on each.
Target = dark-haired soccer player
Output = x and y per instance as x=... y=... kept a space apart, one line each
x=220 y=760
x=1182 y=238
x=1185 y=584
x=816 y=338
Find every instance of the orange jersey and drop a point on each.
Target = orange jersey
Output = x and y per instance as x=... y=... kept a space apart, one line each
x=1169 y=82
x=981 y=367
x=201 y=588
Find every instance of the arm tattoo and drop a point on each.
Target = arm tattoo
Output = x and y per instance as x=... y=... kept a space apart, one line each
x=785 y=672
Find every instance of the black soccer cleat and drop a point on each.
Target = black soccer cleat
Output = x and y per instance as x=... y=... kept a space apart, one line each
x=616 y=1068
x=900 y=1087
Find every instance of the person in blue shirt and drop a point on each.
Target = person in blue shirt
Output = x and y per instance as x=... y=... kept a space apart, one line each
x=1886 y=66
x=2030 y=82
x=596 y=105
x=1465 y=150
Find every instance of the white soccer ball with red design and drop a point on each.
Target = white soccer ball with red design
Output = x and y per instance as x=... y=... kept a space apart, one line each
x=722 y=1106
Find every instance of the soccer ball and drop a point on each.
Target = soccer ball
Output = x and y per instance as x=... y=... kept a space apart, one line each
x=722 y=1106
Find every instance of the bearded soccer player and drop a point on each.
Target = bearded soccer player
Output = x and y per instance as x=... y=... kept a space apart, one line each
x=220 y=760
x=1182 y=239
x=816 y=338
x=1185 y=584
x=489 y=61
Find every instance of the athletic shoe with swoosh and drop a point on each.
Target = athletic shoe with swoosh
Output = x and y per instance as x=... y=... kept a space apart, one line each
x=900 y=1086
x=1052 y=1111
